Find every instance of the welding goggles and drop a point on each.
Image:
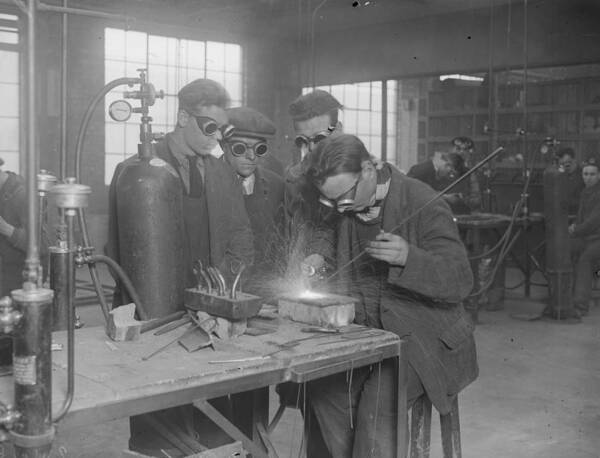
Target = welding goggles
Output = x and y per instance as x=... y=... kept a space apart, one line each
x=344 y=201
x=239 y=148
x=209 y=126
x=303 y=140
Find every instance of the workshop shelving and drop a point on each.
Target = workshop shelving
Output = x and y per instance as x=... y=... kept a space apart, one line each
x=565 y=109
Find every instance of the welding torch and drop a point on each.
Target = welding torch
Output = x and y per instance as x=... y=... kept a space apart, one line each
x=437 y=196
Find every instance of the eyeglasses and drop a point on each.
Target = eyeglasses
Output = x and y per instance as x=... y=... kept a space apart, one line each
x=303 y=140
x=239 y=148
x=342 y=204
x=209 y=126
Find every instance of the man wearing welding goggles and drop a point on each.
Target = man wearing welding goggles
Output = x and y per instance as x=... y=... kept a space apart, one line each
x=405 y=263
x=263 y=192
x=217 y=228
x=315 y=117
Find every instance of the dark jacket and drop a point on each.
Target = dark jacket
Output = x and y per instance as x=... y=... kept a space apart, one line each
x=229 y=226
x=587 y=224
x=421 y=302
x=574 y=190
x=469 y=189
x=13 y=208
x=425 y=172
x=265 y=210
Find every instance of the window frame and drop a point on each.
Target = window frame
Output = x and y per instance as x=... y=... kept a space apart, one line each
x=18 y=48
x=170 y=56
x=388 y=104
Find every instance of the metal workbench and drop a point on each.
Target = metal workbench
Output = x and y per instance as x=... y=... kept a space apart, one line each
x=112 y=381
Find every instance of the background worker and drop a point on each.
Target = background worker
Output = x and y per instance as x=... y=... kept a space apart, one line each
x=410 y=281
x=263 y=192
x=13 y=230
x=585 y=233
x=13 y=243
x=469 y=191
x=566 y=160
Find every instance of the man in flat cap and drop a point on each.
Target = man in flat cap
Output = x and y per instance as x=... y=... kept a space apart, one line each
x=263 y=191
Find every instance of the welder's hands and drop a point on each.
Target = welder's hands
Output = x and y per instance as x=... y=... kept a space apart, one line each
x=454 y=198
x=312 y=265
x=6 y=229
x=390 y=248
x=571 y=229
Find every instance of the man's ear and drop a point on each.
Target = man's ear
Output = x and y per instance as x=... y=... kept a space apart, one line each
x=182 y=118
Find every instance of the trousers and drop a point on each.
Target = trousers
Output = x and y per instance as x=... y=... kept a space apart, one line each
x=357 y=410
x=586 y=254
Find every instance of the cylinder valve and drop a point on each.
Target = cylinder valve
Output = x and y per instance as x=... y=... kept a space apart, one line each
x=9 y=316
x=71 y=195
x=45 y=181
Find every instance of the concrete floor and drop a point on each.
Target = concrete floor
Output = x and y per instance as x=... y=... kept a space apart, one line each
x=538 y=393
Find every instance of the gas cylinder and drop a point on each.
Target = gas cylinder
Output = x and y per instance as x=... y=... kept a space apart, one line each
x=149 y=216
x=558 y=254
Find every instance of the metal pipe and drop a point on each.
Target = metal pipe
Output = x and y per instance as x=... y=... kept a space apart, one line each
x=82 y=12
x=32 y=261
x=70 y=303
x=92 y=268
x=91 y=259
x=62 y=275
x=63 y=94
x=88 y=116
x=312 y=42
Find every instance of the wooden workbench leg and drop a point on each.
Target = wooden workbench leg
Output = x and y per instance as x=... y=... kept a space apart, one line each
x=402 y=418
x=255 y=447
x=251 y=408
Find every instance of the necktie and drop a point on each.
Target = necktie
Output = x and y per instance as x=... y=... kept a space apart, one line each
x=196 y=184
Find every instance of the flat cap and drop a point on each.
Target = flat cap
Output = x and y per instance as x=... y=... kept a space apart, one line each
x=249 y=122
x=313 y=104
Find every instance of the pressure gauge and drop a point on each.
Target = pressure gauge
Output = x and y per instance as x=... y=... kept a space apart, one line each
x=120 y=110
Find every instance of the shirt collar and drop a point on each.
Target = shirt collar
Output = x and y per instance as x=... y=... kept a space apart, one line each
x=177 y=151
x=248 y=184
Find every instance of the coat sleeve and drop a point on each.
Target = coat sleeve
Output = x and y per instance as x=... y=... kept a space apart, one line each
x=437 y=265
x=18 y=201
x=591 y=224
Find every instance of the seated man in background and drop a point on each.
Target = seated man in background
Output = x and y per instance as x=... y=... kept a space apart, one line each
x=585 y=233
x=445 y=167
x=263 y=194
x=469 y=190
x=411 y=282
x=566 y=160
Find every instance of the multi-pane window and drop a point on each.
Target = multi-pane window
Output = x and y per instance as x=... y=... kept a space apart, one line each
x=363 y=111
x=9 y=92
x=171 y=64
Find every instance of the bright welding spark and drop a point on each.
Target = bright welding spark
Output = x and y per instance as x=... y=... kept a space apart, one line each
x=308 y=294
